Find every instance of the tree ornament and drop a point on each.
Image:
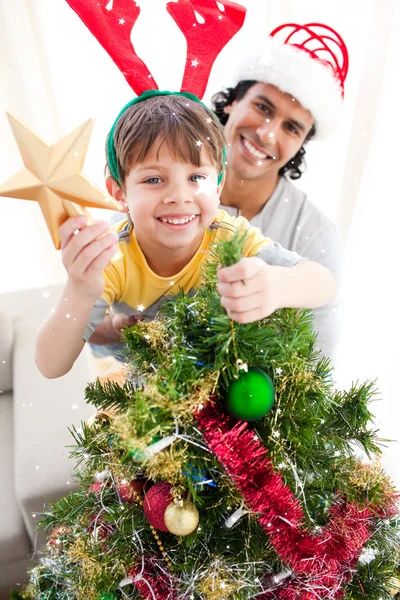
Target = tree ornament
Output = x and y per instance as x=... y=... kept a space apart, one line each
x=131 y=491
x=155 y=504
x=251 y=395
x=101 y=418
x=181 y=518
x=100 y=529
x=95 y=488
x=394 y=588
x=52 y=176
x=57 y=538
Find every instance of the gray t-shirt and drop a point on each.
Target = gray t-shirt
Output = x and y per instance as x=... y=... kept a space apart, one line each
x=290 y=219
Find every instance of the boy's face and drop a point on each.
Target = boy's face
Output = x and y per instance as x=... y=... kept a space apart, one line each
x=171 y=203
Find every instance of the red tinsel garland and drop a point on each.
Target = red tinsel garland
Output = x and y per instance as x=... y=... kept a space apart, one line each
x=320 y=563
x=152 y=583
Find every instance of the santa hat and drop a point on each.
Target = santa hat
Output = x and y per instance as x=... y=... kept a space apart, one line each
x=310 y=62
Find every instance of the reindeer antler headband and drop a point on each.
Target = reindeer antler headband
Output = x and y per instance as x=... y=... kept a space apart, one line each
x=112 y=22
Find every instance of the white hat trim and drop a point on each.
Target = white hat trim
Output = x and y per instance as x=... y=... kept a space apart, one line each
x=295 y=72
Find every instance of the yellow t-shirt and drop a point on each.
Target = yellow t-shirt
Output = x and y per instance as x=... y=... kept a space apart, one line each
x=132 y=288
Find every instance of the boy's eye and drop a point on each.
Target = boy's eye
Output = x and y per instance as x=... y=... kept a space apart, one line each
x=153 y=180
x=197 y=177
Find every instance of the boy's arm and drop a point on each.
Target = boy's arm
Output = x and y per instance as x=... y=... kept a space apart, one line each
x=86 y=251
x=252 y=289
x=109 y=331
x=60 y=338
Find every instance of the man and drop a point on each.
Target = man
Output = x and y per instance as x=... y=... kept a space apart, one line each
x=282 y=96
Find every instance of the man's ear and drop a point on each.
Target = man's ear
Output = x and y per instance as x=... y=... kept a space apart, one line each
x=229 y=107
x=117 y=192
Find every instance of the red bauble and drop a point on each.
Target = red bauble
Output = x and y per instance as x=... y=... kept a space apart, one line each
x=99 y=528
x=130 y=490
x=95 y=488
x=57 y=537
x=155 y=503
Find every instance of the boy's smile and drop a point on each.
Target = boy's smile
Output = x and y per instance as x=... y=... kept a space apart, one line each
x=169 y=209
x=177 y=222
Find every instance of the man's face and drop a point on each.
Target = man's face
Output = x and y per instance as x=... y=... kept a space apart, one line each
x=265 y=130
x=171 y=203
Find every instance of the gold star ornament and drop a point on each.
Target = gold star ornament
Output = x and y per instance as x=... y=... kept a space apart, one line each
x=52 y=176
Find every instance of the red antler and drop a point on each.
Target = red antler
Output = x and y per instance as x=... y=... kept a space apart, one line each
x=112 y=28
x=204 y=40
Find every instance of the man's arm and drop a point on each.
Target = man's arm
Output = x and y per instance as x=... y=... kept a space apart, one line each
x=324 y=246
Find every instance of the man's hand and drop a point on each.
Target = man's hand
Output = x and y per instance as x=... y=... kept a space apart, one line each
x=249 y=290
x=109 y=331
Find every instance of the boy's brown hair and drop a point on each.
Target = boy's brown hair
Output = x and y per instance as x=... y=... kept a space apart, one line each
x=176 y=120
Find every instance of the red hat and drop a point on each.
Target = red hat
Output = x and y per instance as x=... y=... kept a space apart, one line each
x=310 y=62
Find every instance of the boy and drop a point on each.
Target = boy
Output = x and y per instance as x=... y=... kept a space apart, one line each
x=166 y=158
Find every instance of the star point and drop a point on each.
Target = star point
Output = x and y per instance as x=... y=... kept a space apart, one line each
x=140 y=307
x=52 y=176
x=195 y=62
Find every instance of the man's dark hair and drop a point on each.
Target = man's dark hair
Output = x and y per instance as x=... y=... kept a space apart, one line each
x=296 y=166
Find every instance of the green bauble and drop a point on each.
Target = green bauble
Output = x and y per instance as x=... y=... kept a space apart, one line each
x=251 y=396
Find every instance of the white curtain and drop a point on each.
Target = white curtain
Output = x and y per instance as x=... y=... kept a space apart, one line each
x=55 y=75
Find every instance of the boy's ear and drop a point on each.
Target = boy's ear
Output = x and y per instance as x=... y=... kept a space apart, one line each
x=116 y=192
x=221 y=185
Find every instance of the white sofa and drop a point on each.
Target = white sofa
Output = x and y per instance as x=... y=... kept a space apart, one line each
x=35 y=414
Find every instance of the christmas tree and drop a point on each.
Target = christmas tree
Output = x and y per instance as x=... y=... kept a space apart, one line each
x=226 y=466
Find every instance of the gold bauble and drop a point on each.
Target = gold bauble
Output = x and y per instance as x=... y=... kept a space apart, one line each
x=100 y=418
x=394 y=587
x=181 y=520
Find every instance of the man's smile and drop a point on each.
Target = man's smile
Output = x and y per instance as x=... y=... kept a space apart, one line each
x=255 y=151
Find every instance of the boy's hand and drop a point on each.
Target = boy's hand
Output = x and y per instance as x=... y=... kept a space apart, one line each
x=86 y=251
x=249 y=289
x=109 y=331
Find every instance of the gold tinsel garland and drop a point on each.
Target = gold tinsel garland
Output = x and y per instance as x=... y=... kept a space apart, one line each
x=216 y=584
x=369 y=477
x=91 y=571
